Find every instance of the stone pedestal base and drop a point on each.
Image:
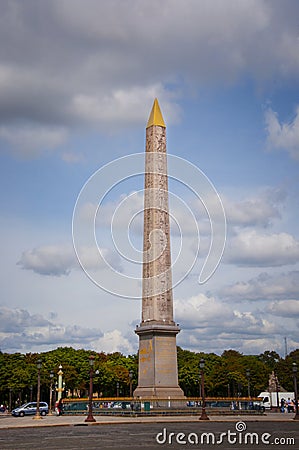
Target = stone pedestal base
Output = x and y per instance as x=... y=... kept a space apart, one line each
x=162 y=393
x=158 y=374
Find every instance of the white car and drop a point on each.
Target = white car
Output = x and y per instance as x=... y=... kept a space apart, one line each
x=30 y=408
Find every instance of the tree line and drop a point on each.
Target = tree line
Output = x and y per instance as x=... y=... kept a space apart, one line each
x=230 y=374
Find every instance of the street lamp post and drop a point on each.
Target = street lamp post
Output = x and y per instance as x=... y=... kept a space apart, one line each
x=276 y=389
x=55 y=393
x=60 y=384
x=131 y=385
x=10 y=399
x=199 y=386
x=117 y=389
x=96 y=373
x=39 y=366
x=31 y=389
x=203 y=407
x=248 y=382
x=296 y=391
x=51 y=392
x=90 y=417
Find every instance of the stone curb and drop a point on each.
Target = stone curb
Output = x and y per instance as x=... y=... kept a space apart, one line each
x=8 y=422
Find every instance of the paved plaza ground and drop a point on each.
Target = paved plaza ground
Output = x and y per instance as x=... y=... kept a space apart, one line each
x=8 y=421
x=152 y=432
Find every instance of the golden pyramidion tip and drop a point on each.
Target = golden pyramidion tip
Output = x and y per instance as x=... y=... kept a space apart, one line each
x=156 y=117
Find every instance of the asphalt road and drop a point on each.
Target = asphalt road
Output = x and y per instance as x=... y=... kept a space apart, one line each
x=148 y=436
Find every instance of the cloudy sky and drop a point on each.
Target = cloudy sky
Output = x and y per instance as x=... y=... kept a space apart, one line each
x=77 y=83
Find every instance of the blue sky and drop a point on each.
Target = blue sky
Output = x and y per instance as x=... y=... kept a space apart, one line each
x=77 y=83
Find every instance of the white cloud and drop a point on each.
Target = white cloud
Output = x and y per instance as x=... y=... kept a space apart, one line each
x=94 y=67
x=113 y=341
x=249 y=345
x=283 y=136
x=250 y=248
x=284 y=308
x=211 y=315
x=123 y=106
x=200 y=311
x=94 y=258
x=265 y=286
x=220 y=39
x=256 y=211
x=120 y=57
x=49 y=260
x=31 y=140
x=57 y=260
x=213 y=324
x=18 y=320
x=261 y=209
x=22 y=331
x=120 y=213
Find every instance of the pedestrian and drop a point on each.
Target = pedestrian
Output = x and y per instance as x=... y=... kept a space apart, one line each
x=58 y=407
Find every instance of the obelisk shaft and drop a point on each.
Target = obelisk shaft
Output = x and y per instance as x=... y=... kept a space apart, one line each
x=157 y=302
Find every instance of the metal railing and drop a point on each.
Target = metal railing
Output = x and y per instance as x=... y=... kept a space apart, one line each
x=163 y=406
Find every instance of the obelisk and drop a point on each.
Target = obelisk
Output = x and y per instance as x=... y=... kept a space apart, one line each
x=158 y=373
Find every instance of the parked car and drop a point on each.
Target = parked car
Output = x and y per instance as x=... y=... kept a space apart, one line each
x=30 y=408
x=219 y=404
x=120 y=405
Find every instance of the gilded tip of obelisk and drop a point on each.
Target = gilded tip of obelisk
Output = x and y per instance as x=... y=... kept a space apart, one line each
x=156 y=117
